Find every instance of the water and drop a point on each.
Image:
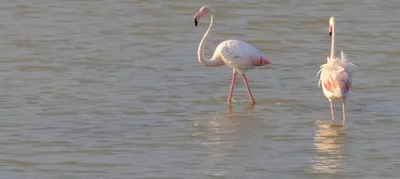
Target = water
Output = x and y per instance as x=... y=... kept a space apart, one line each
x=113 y=89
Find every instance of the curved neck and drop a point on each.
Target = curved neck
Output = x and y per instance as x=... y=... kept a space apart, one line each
x=200 y=51
x=333 y=41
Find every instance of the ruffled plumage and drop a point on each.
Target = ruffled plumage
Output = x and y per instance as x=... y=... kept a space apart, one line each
x=335 y=65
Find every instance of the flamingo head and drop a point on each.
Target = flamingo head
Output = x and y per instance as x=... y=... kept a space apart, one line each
x=203 y=11
x=331 y=24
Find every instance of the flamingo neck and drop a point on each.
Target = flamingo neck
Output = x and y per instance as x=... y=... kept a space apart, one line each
x=200 y=51
x=333 y=41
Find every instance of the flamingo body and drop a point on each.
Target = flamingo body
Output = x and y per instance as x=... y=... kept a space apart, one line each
x=335 y=78
x=240 y=55
x=337 y=85
x=235 y=54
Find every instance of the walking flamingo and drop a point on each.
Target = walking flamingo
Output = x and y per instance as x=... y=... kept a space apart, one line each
x=234 y=54
x=336 y=75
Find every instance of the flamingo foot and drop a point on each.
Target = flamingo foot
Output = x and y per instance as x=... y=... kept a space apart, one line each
x=252 y=103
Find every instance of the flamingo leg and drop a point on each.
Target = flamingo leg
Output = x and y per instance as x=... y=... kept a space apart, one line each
x=248 y=89
x=344 y=110
x=232 y=86
x=332 y=113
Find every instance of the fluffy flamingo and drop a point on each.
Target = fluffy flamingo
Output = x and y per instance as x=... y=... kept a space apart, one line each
x=336 y=75
x=234 y=54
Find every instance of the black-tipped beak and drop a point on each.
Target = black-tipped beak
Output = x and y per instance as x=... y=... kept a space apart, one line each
x=330 y=34
x=195 y=22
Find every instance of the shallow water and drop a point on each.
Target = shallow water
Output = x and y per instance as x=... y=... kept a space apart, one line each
x=113 y=89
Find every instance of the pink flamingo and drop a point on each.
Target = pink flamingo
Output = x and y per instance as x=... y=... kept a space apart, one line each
x=336 y=75
x=234 y=54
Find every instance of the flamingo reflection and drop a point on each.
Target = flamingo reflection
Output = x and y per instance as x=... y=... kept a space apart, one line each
x=328 y=142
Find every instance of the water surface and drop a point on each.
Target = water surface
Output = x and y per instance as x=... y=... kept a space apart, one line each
x=113 y=89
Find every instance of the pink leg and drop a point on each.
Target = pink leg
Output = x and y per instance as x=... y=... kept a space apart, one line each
x=248 y=89
x=344 y=110
x=232 y=86
x=332 y=114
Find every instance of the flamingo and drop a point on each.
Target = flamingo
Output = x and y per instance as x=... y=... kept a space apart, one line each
x=234 y=54
x=335 y=76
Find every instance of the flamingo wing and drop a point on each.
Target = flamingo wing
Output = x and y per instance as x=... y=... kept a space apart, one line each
x=338 y=84
x=240 y=55
x=345 y=82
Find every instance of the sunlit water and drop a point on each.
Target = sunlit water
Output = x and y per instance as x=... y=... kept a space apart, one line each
x=113 y=89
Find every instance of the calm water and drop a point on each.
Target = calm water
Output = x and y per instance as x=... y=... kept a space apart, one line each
x=113 y=89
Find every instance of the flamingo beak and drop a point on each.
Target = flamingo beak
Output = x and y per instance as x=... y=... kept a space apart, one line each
x=330 y=30
x=197 y=17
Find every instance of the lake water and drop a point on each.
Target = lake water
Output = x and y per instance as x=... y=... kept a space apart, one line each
x=113 y=89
